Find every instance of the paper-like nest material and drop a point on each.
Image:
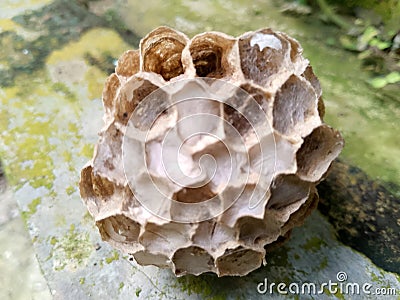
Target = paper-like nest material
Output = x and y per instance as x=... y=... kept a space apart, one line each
x=211 y=150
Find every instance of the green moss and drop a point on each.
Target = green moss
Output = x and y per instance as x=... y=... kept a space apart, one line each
x=327 y=292
x=324 y=263
x=104 y=62
x=95 y=82
x=339 y=295
x=64 y=91
x=314 y=244
x=201 y=285
x=64 y=14
x=33 y=205
x=32 y=209
x=61 y=221
x=138 y=291
x=35 y=128
x=30 y=160
x=375 y=278
x=82 y=280
x=87 y=150
x=121 y=286
x=76 y=245
x=53 y=241
x=110 y=259
x=67 y=155
x=72 y=127
x=280 y=257
x=70 y=190
x=87 y=218
x=72 y=250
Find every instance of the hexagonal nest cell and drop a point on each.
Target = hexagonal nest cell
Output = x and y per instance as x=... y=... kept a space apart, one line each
x=224 y=232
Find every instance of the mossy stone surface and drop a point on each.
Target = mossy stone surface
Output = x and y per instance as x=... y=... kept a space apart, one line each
x=50 y=113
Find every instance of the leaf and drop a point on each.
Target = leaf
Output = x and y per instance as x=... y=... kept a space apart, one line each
x=377 y=82
x=393 y=77
x=363 y=40
x=379 y=44
x=380 y=82
x=348 y=43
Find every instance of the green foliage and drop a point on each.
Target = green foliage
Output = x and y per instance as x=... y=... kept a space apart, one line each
x=371 y=28
x=388 y=10
x=379 y=82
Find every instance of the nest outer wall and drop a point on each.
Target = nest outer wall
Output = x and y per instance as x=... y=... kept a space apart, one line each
x=267 y=65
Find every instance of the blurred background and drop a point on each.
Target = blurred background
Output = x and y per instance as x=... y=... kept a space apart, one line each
x=54 y=59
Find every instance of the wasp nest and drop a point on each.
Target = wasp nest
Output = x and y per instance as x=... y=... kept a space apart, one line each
x=211 y=150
